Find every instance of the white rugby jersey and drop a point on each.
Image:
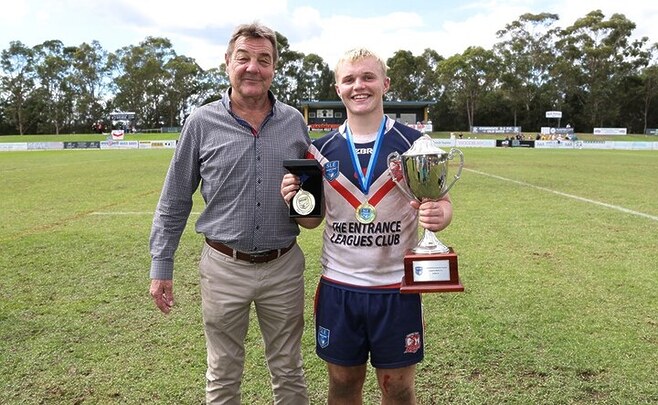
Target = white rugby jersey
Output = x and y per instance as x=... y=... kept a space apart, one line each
x=356 y=253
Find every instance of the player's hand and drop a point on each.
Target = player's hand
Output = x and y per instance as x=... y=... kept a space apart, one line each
x=433 y=215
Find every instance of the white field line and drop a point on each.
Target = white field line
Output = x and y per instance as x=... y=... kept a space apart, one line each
x=575 y=197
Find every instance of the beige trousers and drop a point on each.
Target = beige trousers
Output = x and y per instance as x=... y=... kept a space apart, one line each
x=228 y=288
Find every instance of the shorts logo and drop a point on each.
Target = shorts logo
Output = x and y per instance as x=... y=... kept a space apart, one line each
x=412 y=342
x=323 y=337
x=331 y=170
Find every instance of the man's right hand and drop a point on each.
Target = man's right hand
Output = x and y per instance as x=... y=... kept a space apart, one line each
x=162 y=292
x=289 y=187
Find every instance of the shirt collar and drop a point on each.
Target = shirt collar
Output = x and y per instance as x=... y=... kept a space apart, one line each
x=389 y=124
x=226 y=100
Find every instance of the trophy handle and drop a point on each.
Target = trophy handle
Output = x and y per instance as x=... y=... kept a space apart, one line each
x=451 y=156
x=395 y=170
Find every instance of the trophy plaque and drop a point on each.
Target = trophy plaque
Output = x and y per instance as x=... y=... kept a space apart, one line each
x=309 y=200
x=421 y=173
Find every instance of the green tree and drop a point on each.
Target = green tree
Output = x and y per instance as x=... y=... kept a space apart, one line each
x=405 y=78
x=649 y=87
x=596 y=56
x=213 y=83
x=429 y=88
x=413 y=77
x=467 y=77
x=52 y=68
x=526 y=51
x=183 y=82
x=17 y=83
x=288 y=78
x=90 y=82
x=140 y=80
x=316 y=80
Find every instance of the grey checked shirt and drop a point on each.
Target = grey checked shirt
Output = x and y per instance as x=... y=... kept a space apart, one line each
x=240 y=176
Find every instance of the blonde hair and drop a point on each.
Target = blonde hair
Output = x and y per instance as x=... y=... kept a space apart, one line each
x=357 y=54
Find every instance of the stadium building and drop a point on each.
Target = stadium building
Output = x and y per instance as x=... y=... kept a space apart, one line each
x=327 y=115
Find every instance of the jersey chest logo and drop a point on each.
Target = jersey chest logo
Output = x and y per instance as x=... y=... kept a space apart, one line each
x=331 y=170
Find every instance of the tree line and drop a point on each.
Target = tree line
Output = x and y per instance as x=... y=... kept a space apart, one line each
x=592 y=71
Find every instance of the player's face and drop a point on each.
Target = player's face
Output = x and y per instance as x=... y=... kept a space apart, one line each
x=361 y=85
x=251 y=67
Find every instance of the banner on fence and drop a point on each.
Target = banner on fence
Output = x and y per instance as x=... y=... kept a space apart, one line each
x=82 y=145
x=119 y=144
x=157 y=144
x=496 y=130
x=609 y=131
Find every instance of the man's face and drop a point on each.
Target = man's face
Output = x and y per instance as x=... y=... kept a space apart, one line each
x=251 y=67
x=361 y=85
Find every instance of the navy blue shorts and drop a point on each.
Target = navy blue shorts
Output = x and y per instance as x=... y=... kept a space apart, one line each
x=354 y=322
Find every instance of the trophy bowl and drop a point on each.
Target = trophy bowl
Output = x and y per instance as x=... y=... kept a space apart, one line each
x=421 y=173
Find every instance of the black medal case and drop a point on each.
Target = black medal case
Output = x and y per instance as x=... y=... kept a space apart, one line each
x=310 y=172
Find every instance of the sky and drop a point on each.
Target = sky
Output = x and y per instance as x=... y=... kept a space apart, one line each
x=201 y=28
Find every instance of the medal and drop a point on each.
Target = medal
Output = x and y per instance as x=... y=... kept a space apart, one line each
x=365 y=213
x=303 y=202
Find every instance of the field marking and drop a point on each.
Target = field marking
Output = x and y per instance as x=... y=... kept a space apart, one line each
x=575 y=197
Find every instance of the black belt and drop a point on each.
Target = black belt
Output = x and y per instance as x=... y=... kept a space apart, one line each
x=259 y=257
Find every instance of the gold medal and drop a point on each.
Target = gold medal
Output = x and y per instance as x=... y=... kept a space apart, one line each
x=365 y=213
x=303 y=202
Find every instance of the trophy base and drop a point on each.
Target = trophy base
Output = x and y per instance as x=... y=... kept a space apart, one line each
x=429 y=273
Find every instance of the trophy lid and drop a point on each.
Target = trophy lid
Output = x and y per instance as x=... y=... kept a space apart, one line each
x=424 y=146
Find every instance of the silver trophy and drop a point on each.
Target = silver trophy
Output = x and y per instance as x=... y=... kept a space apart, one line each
x=421 y=173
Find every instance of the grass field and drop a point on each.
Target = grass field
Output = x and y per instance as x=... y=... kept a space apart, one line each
x=558 y=251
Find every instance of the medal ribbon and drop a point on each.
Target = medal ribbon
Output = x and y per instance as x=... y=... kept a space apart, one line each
x=365 y=180
x=302 y=178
